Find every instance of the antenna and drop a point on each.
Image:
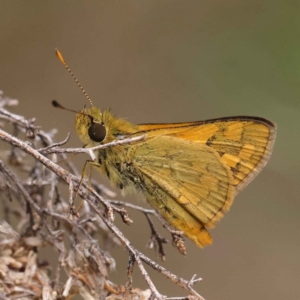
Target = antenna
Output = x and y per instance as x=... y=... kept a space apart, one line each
x=56 y=104
x=60 y=57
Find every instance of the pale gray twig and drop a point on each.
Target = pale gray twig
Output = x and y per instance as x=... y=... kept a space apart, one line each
x=89 y=194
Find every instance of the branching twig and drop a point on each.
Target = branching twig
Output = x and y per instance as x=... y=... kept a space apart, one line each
x=156 y=240
x=177 y=236
x=56 y=209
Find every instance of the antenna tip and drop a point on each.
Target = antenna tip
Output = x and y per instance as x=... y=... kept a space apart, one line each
x=55 y=103
x=59 y=55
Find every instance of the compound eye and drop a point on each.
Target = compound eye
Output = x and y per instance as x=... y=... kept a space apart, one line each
x=97 y=132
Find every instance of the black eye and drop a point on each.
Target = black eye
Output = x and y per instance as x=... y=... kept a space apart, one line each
x=97 y=132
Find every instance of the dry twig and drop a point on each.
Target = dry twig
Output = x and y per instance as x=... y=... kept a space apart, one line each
x=41 y=211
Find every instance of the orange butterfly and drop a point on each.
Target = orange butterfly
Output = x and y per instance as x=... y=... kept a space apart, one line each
x=189 y=172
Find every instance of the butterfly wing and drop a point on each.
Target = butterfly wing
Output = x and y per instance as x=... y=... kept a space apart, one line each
x=186 y=182
x=244 y=144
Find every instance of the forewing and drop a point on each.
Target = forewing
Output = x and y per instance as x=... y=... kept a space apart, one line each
x=186 y=182
x=244 y=144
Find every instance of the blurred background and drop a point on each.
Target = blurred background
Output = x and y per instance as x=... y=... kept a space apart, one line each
x=175 y=61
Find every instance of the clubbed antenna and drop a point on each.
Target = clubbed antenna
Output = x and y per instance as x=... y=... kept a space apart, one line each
x=56 y=104
x=60 y=57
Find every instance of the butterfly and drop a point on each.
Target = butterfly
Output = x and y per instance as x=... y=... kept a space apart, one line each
x=189 y=172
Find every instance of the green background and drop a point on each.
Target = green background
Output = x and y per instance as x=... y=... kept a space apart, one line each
x=175 y=61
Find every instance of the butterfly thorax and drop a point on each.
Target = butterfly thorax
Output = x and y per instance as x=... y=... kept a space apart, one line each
x=114 y=162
